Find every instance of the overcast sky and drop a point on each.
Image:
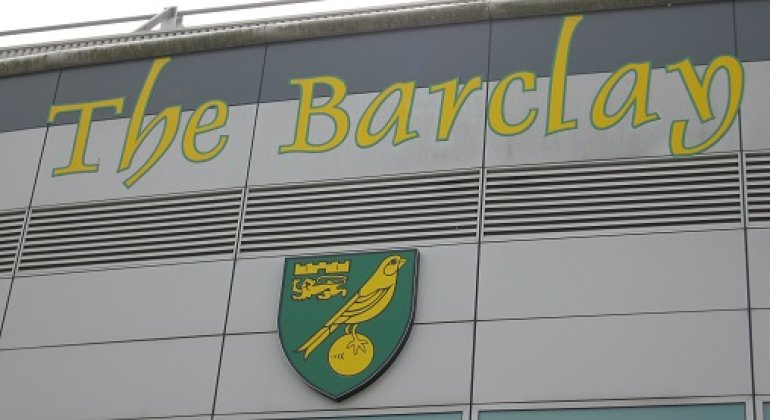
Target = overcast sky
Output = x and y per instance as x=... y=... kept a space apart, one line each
x=32 y=13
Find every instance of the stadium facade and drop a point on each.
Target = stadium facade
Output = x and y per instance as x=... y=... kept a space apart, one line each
x=587 y=186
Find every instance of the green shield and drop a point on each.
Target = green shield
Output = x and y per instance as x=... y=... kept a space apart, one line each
x=343 y=318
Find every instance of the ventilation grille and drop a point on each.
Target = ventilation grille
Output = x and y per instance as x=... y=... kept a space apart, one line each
x=11 y=225
x=636 y=195
x=134 y=231
x=435 y=207
x=758 y=187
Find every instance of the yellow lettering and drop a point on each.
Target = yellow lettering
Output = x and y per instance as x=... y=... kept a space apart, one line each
x=77 y=162
x=330 y=109
x=194 y=127
x=557 y=92
x=497 y=104
x=699 y=90
x=451 y=103
x=637 y=98
x=136 y=134
x=399 y=119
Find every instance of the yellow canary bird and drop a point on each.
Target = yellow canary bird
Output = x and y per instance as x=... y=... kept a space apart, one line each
x=373 y=297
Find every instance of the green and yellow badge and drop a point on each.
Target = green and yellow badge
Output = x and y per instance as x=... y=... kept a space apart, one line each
x=344 y=318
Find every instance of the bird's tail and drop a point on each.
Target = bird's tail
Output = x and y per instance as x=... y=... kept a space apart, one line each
x=316 y=339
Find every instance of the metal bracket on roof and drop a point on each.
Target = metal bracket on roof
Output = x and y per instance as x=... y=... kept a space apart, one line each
x=168 y=19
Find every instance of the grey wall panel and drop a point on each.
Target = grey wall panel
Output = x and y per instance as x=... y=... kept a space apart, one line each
x=268 y=383
x=371 y=62
x=760 y=324
x=25 y=100
x=277 y=123
x=445 y=288
x=172 y=173
x=127 y=380
x=230 y=75
x=140 y=303
x=5 y=285
x=605 y=41
x=756 y=100
x=18 y=165
x=759 y=266
x=668 y=97
x=752 y=32
x=659 y=355
x=419 y=413
x=612 y=275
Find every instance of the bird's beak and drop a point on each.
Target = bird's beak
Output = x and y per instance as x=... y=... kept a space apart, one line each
x=401 y=262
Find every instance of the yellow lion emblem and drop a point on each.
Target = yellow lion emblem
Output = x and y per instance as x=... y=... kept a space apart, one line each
x=323 y=287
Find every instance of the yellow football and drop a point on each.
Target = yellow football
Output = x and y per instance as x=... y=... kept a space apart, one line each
x=348 y=359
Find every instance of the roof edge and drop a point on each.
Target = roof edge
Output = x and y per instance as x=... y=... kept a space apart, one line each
x=77 y=53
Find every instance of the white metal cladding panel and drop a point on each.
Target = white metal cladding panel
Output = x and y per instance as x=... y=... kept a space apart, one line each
x=257 y=288
x=668 y=98
x=11 y=225
x=684 y=271
x=106 y=381
x=5 y=285
x=621 y=195
x=113 y=305
x=425 y=208
x=191 y=226
x=173 y=173
x=613 y=357
x=758 y=241
x=433 y=368
x=277 y=124
x=760 y=324
x=754 y=122
x=18 y=166
x=758 y=188
x=404 y=413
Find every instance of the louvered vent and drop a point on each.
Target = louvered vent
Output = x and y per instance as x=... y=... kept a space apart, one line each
x=758 y=187
x=11 y=224
x=638 y=194
x=133 y=231
x=433 y=207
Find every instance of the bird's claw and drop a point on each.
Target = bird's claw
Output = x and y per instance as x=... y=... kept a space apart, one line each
x=358 y=344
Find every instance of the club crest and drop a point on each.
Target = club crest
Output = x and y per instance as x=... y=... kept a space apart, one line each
x=344 y=318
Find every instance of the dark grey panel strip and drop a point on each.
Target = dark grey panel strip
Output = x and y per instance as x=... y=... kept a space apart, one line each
x=24 y=100
x=605 y=41
x=189 y=80
x=371 y=62
x=751 y=19
x=76 y=53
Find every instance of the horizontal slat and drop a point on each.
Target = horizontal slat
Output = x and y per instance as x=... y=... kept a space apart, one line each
x=363 y=211
x=149 y=240
x=119 y=258
x=336 y=242
x=140 y=223
x=652 y=190
x=402 y=182
x=136 y=205
x=621 y=184
x=381 y=197
x=109 y=218
x=601 y=207
x=468 y=225
x=126 y=249
x=550 y=200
